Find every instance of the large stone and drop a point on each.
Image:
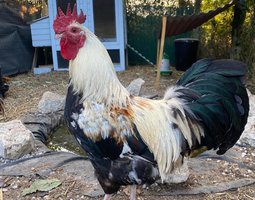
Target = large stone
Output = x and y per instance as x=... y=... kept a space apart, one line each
x=51 y=102
x=15 y=140
x=135 y=86
x=180 y=175
x=42 y=125
x=248 y=136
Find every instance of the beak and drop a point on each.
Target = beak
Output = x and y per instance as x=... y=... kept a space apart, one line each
x=58 y=36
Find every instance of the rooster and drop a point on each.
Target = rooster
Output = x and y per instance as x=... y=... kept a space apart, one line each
x=132 y=140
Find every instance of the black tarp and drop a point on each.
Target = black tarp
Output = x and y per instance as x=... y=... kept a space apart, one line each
x=181 y=24
x=16 y=50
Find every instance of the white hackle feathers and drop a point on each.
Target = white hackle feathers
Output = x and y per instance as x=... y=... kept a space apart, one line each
x=93 y=75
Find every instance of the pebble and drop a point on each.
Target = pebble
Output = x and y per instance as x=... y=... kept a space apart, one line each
x=47 y=197
x=14 y=186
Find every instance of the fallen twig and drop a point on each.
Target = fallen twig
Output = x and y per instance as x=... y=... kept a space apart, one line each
x=1 y=194
x=70 y=187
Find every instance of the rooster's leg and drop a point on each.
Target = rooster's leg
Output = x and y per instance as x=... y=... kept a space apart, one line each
x=107 y=197
x=132 y=192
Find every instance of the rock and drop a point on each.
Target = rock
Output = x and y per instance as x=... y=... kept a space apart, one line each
x=135 y=86
x=248 y=136
x=51 y=102
x=180 y=175
x=42 y=125
x=15 y=140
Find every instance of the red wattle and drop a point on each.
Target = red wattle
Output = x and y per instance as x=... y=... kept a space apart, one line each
x=69 y=49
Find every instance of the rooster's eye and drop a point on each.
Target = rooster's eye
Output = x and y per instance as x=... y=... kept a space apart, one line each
x=74 y=30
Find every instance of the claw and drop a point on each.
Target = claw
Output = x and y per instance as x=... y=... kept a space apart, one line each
x=107 y=197
x=132 y=192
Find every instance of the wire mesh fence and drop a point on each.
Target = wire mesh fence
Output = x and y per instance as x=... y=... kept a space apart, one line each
x=143 y=27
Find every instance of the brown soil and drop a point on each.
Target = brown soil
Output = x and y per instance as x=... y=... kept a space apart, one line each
x=25 y=92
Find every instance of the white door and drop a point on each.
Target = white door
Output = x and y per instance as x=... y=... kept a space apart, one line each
x=109 y=27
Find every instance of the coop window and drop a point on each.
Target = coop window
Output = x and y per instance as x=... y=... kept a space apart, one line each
x=115 y=55
x=63 y=4
x=104 y=19
x=62 y=63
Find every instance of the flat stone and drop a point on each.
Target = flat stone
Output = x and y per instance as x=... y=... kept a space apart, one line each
x=51 y=102
x=15 y=140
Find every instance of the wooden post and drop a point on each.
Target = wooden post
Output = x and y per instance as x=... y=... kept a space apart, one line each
x=158 y=45
x=35 y=58
x=161 y=49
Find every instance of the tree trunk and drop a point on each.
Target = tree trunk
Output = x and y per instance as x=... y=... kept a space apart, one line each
x=198 y=6
x=237 y=24
x=252 y=59
x=197 y=31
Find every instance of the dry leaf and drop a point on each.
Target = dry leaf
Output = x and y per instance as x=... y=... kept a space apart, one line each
x=42 y=185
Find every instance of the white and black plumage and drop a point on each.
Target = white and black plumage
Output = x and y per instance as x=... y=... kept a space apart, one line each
x=133 y=140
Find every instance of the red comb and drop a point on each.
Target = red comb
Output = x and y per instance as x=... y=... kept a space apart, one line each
x=63 y=20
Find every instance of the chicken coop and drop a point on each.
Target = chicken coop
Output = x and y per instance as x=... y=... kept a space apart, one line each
x=105 y=18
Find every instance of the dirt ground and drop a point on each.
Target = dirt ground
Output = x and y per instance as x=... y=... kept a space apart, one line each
x=27 y=89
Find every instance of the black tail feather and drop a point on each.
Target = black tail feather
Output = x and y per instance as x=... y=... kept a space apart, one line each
x=223 y=104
